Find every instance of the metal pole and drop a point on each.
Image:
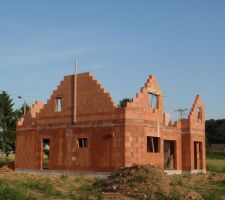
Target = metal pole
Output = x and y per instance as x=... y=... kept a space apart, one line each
x=75 y=92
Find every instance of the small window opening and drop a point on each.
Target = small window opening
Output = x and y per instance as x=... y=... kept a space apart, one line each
x=199 y=110
x=59 y=104
x=153 y=98
x=152 y=144
x=82 y=142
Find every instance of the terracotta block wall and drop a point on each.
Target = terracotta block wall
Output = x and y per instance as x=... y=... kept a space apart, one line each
x=93 y=102
x=105 y=151
x=27 y=156
x=117 y=137
x=136 y=145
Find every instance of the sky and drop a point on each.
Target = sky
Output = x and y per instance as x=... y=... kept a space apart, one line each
x=121 y=42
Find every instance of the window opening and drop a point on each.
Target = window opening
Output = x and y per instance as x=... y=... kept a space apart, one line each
x=82 y=142
x=152 y=144
x=153 y=100
x=59 y=104
x=199 y=110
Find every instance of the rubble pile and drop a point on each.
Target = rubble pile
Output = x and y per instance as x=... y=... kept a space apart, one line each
x=5 y=169
x=144 y=182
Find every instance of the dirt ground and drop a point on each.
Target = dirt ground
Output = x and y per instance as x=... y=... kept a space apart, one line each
x=138 y=182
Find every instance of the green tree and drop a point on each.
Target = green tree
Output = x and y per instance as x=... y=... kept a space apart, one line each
x=18 y=113
x=123 y=102
x=7 y=123
x=215 y=131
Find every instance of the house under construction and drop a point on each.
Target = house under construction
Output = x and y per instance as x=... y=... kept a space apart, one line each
x=80 y=128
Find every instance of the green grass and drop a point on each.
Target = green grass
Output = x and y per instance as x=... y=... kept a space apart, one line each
x=215 y=163
x=44 y=186
x=13 y=190
x=216 y=192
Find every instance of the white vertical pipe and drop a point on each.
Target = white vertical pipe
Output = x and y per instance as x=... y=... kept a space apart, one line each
x=75 y=92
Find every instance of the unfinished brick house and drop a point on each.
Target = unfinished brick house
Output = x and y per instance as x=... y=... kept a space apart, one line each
x=103 y=137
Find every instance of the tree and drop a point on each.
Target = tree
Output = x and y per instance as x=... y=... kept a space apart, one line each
x=7 y=123
x=20 y=112
x=8 y=120
x=215 y=131
x=123 y=102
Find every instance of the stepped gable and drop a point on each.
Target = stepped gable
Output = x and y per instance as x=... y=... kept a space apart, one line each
x=197 y=114
x=91 y=99
x=30 y=118
x=142 y=99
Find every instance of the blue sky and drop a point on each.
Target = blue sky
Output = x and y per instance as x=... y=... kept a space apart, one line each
x=121 y=42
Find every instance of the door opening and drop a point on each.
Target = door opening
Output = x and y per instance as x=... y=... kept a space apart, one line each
x=198 y=155
x=45 y=153
x=169 y=155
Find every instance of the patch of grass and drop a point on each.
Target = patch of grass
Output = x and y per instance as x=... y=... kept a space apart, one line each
x=44 y=187
x=219 y=156
x=9 y=191
x=216 y=165
x=86 y=187
x=215 y=162
x=177 y=180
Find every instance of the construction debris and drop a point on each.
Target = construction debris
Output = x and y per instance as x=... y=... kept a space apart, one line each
x=5 y=169
x=145 y=182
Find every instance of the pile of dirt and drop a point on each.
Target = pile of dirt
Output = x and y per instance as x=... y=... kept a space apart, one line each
x=144 y=182
x=5 y=169
x=11 y=165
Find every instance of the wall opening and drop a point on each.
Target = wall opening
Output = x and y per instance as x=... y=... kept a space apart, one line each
x=82 y=142
x=45 y=153
x=153 y=100
x=153 y=144
x=199 y=111
x=169 y=154
x=198 y=156
x=58 y=104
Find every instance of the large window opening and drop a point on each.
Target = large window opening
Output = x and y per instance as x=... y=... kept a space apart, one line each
x=153 y=144
x=58 y=104
x=169 y=154
x=153 y=98
x=82 y=142
x=45 y=153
